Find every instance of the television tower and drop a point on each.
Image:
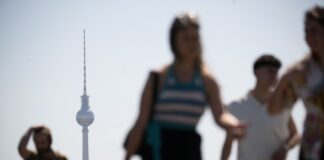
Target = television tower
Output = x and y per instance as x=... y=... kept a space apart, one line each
x=85 y=117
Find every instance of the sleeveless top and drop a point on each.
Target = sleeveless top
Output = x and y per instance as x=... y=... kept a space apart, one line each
x=311 y=90
x=180 y=104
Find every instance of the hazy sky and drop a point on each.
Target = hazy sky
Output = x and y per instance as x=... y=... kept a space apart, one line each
x=41 y=62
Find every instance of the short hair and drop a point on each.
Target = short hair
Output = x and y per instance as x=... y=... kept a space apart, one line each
x=266 y=60
x=46 y=131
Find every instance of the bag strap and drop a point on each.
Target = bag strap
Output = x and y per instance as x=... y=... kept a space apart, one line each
x=155 y=76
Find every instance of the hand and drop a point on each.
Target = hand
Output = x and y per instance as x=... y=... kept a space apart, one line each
x=37 y=127
x=239 y=130
x=280 y=154
x=31 y=130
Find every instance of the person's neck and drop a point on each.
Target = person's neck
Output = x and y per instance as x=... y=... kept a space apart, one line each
x=45 y=152
x=183 y=70
x=261 y=93
x=184 y=65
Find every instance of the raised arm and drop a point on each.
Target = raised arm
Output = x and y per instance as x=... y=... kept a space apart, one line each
x=137 y=131
x=283 y=96
x=22 y=147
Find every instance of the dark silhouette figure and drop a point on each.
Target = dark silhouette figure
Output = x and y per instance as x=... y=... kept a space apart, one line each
x=43 y=139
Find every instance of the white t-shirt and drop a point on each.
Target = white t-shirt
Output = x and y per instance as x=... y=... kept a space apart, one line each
x=265 y=133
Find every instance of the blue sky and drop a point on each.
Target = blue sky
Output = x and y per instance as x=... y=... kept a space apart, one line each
x=41 y=62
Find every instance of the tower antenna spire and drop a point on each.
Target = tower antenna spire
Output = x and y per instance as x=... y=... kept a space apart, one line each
x=84 y=65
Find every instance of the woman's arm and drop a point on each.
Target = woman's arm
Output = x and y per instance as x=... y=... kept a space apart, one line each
x=137 y=131
x=222 y=117
x=284 y=95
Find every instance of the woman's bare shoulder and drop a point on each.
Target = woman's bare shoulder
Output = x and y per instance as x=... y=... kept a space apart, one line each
x=162 y=70
x=298 y=70
x=208 y=77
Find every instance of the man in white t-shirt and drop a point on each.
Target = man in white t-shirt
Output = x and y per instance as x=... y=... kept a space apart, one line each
x=267 y=137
